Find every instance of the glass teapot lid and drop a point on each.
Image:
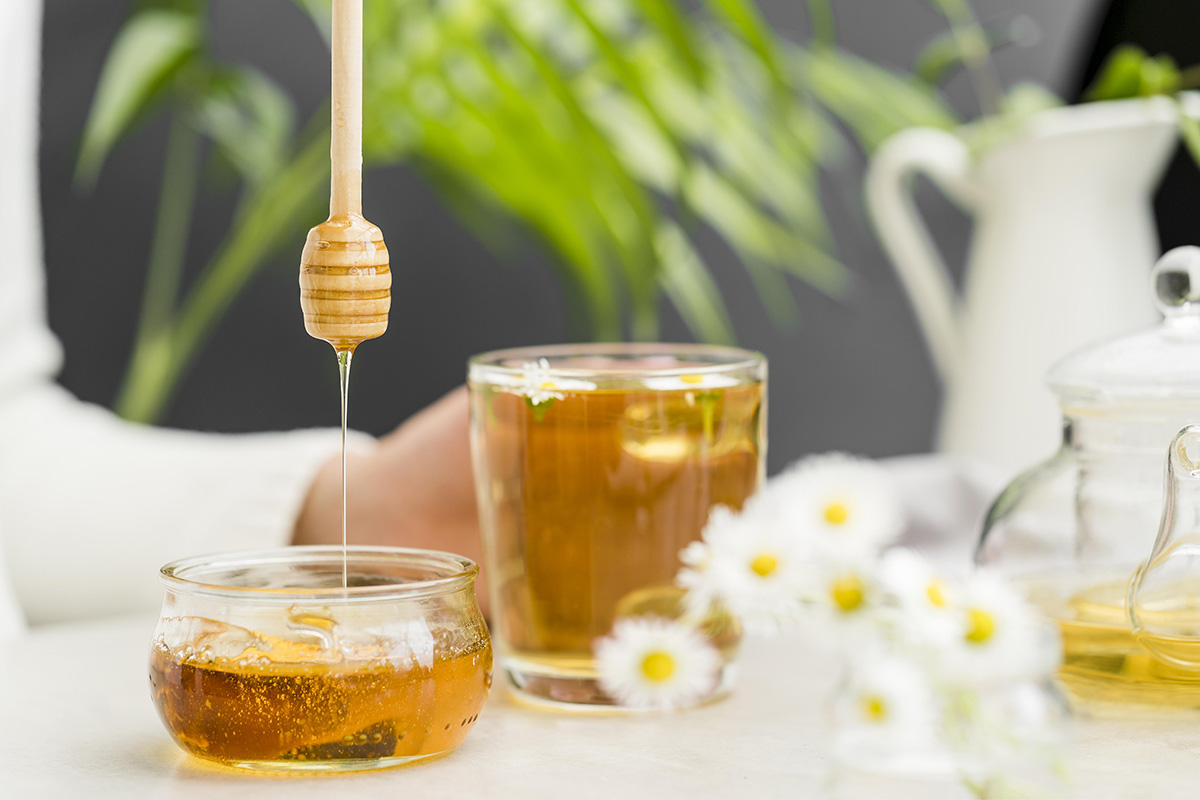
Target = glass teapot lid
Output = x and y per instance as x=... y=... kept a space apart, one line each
x=1158 y=365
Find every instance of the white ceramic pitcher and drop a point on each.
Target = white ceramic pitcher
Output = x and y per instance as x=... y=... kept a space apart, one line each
x=1064 y=239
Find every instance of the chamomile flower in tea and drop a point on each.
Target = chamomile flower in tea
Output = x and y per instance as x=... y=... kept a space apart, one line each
x=696 y=382
x=655 y=663
x=540 y=387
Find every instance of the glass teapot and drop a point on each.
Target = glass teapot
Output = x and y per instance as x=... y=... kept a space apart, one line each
x=1073 y=529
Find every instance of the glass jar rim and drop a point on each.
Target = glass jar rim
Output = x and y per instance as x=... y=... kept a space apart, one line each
x=733 y=360
x=448 y=573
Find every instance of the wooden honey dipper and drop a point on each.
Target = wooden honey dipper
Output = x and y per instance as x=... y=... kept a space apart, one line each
x=345 y=283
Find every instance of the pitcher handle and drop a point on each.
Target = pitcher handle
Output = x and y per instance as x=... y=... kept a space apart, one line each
x=945 y=159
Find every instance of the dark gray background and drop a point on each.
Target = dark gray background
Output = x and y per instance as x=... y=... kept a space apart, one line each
x=854 y=375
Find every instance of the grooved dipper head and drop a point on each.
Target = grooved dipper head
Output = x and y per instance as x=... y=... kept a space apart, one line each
x=345 y=282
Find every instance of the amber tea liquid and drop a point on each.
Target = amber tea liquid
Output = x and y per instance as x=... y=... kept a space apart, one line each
x=294 y=711
x=586 y=501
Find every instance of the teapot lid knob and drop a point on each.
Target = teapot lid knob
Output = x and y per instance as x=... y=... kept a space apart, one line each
x=1176 y=279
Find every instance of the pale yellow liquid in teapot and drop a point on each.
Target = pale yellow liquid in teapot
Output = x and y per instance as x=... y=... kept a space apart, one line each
x=1105 y=667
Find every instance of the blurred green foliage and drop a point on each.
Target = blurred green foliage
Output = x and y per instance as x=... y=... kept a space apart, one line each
x=1129 y=71
x=610 y=130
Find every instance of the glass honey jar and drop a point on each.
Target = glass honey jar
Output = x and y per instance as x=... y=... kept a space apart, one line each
x=265 y=660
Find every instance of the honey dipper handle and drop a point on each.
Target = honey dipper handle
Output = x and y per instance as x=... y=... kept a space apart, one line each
x=345 y=196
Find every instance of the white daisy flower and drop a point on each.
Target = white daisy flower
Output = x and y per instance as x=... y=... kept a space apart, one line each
x=927 y=613
x=539 y=386
x=544 y=393
x=697 y=578
x=749 y=564
x=655 y=663
x=847 y=600
x=887 y=707
x=1000 y=637
x=847 y=504
x=700 y=381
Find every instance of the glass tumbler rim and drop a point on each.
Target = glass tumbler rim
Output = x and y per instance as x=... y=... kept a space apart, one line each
x=734 y=360
x=457 y=572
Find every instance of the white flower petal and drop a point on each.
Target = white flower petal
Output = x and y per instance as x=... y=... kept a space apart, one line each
x=751 y=565
x=622 y=661
x=887 y=706
x=845 y=600
x=539 y=384
x=1000 y=637
x=926 y=611
x=847 y=504
x=700 y=381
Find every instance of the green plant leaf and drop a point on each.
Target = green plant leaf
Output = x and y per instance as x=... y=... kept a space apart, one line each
x=690 y=286
x=250 y=119
x=637 y=141
x=746 y=19
x=1024 y=101
x=1189 y=127
x=1160 y=75
x=779 y=178
x=635 y=247
x=320 y=11
x=852 y=88
x=626 y=73
x=1120 y=76
x=943 y=55
x=534 y=175
x=1130 y=72
x=820 y=19
x=760 y=240
x=148 y=52
x=667 y=19
x=774 y=293
x=951 y=9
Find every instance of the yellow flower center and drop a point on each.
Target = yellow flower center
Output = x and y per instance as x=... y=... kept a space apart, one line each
x=847 y=593
x=980 y=626
x=836 y=513
x=547 y=385
x=935 y=594
x=874 y=708
x=658 y=666
x=691 y=378
x=764 y=565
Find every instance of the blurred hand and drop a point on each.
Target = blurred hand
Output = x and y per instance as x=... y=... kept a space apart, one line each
x=415 y=489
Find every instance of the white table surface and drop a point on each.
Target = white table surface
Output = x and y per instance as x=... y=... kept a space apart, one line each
x=76 y=721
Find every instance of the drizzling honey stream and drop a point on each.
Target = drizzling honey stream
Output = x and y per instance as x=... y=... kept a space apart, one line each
x=345 y=280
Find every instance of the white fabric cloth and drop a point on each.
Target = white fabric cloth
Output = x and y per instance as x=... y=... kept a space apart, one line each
x=945 y=499
x=91 y=506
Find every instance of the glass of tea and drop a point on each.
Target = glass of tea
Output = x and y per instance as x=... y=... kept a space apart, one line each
x=594 y=466
x=265 y=660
